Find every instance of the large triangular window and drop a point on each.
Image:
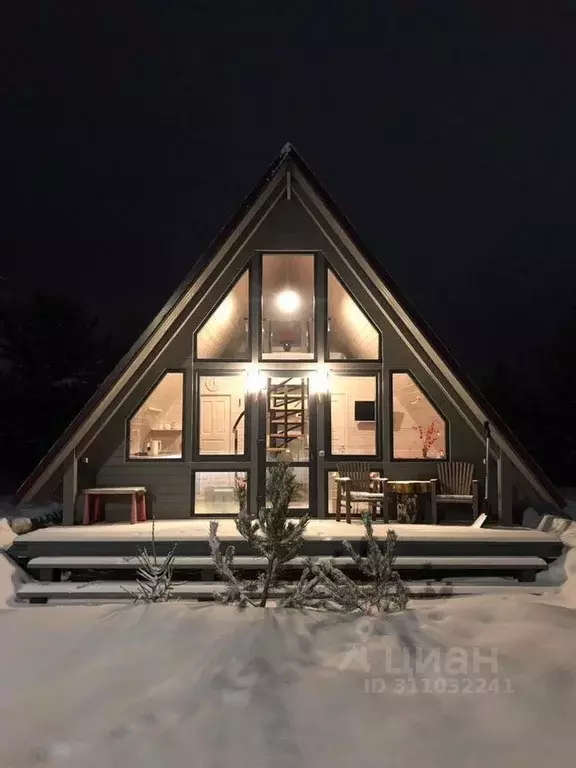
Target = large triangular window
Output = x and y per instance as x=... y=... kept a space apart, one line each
x=225 y=334
x=351 y=335
x=419 y=430
x=155 y=430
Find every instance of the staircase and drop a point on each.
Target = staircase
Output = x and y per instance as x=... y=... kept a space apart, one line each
x=287 y=405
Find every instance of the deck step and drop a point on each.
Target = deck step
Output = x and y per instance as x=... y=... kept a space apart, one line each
x=245 y=562
x=119 y=590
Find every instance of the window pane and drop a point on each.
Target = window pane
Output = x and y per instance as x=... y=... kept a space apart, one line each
x=224 y=336
x=332 y=493
x=215 y=492
x=222 y=419
x=353 y=412
x=351 y=336
x=288 y=306
x=288 y=419
x=156 y=428
x=301 y=499
x=419 y=430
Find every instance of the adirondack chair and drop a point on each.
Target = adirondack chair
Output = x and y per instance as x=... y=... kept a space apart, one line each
x=356 y=483
x=454 y=485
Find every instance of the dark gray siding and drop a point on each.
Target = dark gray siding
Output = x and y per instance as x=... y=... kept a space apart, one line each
x=168 y=482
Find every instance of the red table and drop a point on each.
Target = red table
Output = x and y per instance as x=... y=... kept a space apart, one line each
x=137 y=494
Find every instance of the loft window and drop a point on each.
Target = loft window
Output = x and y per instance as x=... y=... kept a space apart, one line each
x=419 y=430
x=155 y=430
x=225 y=334
x=288 y=306
x=351 y=335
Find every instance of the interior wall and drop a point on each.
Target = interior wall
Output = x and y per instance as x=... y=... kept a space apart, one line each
x=348 y=435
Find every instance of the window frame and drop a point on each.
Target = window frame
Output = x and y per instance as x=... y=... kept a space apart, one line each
x=349 y=360
x=247 y=269
x=212 y=515
x=216 y=457
x=259 y=258
x=440 y=413
x=159 y=459
x=379 y=402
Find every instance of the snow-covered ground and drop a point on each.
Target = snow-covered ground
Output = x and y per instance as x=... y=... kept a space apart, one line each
x=11 y=576
x=460 y=683
x=457 y=683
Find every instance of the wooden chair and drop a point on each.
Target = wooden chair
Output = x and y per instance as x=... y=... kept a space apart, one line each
x=355 y=483
x=454 y=485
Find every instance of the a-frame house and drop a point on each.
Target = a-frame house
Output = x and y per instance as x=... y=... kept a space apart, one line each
x=287 y=338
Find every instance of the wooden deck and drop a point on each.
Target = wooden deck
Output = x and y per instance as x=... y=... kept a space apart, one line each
x=323 y=537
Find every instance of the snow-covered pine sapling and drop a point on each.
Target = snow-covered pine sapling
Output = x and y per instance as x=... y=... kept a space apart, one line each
x=154 y=578
x=236 y=588
x=271 y=534
x=325 y=586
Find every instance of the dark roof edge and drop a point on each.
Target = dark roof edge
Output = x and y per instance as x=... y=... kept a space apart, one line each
x=434 y=341
x=149 y=331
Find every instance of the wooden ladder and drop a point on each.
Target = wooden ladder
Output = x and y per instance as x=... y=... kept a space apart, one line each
x=286 y=413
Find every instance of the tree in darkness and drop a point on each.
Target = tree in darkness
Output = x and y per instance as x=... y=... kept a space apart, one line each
x=53 y=358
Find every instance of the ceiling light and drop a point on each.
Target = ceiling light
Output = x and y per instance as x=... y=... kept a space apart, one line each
x=288 y=301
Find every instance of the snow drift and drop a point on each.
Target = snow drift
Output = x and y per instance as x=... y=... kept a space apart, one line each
x=178 y=684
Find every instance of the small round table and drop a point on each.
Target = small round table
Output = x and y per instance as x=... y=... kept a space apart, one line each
x=407 y=498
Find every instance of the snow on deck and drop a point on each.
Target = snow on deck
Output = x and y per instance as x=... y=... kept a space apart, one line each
x=323 y=530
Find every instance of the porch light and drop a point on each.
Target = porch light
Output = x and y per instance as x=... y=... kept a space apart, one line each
x=255 y=380
x=320 y=383
x=288 y=301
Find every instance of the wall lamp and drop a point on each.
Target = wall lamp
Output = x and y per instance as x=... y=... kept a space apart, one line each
x=255 y=380
x=320 y=383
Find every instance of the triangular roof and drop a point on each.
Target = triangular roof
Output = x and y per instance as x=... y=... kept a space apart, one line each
x=288 y=157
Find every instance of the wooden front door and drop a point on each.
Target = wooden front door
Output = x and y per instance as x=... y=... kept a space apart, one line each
x=215 y=426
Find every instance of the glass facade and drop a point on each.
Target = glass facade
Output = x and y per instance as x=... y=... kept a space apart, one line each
x=245 y=415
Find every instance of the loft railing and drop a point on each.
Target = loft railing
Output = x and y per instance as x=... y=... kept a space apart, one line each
x=235 y=431
x=268 y=336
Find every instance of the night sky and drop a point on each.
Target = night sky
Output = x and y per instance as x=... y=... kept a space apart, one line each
x=446 y=131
